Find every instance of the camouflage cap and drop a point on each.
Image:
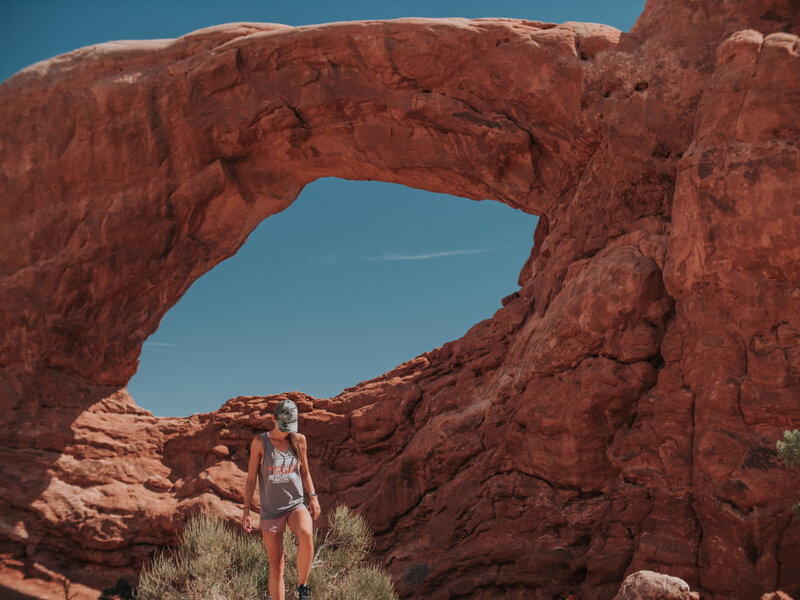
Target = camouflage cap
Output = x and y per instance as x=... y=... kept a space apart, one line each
x=286 y=416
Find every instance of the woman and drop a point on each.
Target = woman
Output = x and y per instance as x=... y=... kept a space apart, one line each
x=279 y=460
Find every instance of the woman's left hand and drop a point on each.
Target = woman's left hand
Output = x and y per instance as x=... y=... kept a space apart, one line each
x=314 y=507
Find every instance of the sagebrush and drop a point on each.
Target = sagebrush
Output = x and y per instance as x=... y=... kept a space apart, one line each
x=214 y=562
x=789 y=453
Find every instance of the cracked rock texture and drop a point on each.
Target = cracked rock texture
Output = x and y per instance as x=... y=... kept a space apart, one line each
x=617 y=414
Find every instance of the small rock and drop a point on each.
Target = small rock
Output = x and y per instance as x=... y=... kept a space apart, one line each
x=649 y=585
x=158 y=483
x=221 y=451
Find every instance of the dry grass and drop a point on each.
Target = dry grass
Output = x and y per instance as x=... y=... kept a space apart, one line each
x=213 y=562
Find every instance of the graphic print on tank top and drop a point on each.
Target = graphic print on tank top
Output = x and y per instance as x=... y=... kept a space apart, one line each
x=283 y=467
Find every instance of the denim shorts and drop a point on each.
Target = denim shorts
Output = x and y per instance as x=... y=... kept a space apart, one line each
x=278 y=525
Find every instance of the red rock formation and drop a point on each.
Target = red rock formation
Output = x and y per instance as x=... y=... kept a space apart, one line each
x=776 y=596
x=619 y=412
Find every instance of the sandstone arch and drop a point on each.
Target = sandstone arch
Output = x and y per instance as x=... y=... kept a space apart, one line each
x=637 y=429
x=210 y=134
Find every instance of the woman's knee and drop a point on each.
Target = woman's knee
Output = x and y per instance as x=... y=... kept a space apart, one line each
x=273 y=544
x=276 y=565
x=278 y=558
x=301 y=525
x=305 y=537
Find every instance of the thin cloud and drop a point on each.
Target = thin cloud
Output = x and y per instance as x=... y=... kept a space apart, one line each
x=430 y=255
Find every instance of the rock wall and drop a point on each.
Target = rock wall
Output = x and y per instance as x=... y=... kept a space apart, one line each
x=619 y=412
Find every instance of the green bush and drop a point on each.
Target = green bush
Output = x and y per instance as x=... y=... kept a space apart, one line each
x=364 y=582
x=339 y=571
x=213 y=562
x=789 y=448
x=210 y=562
x=789 y=452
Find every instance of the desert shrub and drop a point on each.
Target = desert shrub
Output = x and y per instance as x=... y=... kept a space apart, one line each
x=214 y=562
x=364 y=582
x=789 y=448
x=210 y=562
x=346 y=544
x=789 y=452
x=339 y=572
x=122 y=591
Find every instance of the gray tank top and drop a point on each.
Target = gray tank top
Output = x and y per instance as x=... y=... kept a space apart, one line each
x=280 y=485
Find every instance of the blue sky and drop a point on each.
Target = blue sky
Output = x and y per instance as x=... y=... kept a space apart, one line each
x=351 y=280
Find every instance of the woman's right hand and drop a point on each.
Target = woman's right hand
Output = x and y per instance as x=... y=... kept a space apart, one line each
x=248 y=527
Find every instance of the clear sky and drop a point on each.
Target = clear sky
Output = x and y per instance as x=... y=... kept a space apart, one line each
x=351 y=280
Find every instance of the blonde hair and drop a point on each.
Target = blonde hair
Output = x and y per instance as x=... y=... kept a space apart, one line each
x=298 y=445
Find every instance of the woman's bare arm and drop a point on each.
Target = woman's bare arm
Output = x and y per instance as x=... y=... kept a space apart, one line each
x=308 y=484
x=256 y=452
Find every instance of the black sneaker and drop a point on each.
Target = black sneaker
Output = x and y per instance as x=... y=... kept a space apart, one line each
x=303 y=592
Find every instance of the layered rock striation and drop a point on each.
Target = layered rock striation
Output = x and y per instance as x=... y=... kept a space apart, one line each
x=619 y=412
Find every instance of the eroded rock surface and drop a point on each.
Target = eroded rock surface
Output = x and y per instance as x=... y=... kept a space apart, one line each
x=619 y=412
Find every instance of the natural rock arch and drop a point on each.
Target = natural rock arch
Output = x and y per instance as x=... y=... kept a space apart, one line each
x=203 y=137
x=627 y=396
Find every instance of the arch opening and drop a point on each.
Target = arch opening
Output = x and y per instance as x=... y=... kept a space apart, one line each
x=351 y=280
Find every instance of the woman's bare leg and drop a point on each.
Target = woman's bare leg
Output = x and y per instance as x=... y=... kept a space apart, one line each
x=273 y=544
x=302 y=526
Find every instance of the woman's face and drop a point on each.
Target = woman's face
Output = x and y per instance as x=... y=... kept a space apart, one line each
x=277 y=433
